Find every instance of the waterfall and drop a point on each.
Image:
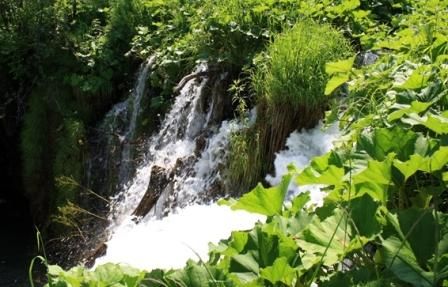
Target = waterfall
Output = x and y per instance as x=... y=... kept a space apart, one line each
x=128 y=137
x=167 y=213
x=112 y=142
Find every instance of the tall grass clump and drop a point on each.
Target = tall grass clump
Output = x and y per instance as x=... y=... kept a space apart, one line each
x=293 y=77
x=289 y=84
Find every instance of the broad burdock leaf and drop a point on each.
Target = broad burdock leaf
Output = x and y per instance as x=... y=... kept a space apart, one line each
x=280 y=271
x=332 y=176
x=380 y=142
x=419 y=227
x=402 y=110
x=363 y=211
x=327 y=241
x=343 y=66
x=266 y=201
x=398 y=257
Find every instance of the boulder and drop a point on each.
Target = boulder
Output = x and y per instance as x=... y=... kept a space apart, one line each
x=158 y=182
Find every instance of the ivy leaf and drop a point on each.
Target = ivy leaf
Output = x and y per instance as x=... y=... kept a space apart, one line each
x=280 y=271
x=266 y=201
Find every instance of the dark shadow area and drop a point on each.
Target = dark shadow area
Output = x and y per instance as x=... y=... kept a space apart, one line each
x=17 y=235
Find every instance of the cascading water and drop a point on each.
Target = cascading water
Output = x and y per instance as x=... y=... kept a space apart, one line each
x=301 y=147
x=128 y=137
x=111 y=164
x=173 y=190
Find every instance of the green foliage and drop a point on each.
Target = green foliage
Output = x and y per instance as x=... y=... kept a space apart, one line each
x=68 y=159
x=294 y=72
x=264 y=201
x=104 y=275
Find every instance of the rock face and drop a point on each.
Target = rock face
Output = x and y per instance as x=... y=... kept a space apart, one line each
x=159 y=180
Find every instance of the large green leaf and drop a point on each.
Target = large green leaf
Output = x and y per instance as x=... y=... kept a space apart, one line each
x=266 y=201
x=280 y=271
x=402 y=110
x=193 y=275
x=436 y=123
x=332 y=176
x=335 y=82
x=417 y=80
x=109 y=273
x=408 y=168
x=399 y=258
x=327 y=241
x=378 y=172
x=363 y=212
x=343 y=66
x=383 y=141
x=418 y=225
x=436 y=161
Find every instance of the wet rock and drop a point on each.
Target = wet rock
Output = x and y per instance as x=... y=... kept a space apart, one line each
x=216 y=190
x=98 y=251
x=366 y=58
x=159 y=180
x=201 y=142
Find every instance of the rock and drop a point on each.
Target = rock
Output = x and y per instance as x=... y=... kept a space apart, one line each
x=158 y=182
x=201 y=142
x=98 y=251
x=366 y=58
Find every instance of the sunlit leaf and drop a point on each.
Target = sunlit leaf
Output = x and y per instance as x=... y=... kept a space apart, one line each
x=335 y=82
x=343 y=66
x=266 y=201
x=280 y=271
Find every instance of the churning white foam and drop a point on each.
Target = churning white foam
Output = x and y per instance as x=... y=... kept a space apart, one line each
x=301 y=147
x=169 y=242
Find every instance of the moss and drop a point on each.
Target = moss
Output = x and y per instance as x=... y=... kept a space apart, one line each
x=68 y=160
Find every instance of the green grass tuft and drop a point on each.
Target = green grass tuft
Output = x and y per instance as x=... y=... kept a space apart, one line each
x=293 y=73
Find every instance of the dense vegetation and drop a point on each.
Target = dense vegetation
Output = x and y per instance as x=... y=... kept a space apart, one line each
x=386 y=180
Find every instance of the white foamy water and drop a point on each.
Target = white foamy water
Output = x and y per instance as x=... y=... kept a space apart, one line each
x=173 y=142
x=171 y=241
x=301 y=147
